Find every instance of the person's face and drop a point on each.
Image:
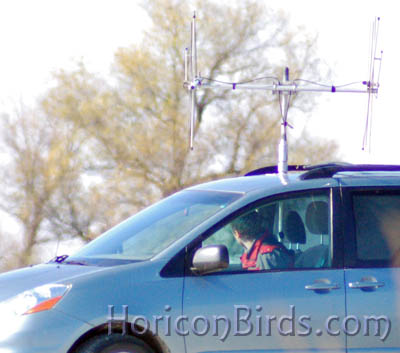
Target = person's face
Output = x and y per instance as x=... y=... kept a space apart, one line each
x=237 y=236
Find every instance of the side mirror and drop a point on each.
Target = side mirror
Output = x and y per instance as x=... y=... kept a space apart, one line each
x=210 y=258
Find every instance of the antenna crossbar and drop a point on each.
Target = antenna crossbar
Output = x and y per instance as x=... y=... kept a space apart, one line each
x=276 y=88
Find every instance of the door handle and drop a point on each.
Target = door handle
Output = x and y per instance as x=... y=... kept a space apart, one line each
x=366 y=285
x=322 y=285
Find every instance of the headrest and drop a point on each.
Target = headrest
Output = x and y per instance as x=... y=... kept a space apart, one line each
x=293 y=228
x=317 y=217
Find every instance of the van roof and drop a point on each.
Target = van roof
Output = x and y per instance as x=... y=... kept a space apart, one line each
x=314 y=175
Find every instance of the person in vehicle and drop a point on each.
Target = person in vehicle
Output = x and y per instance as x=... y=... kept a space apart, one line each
x=261 y=249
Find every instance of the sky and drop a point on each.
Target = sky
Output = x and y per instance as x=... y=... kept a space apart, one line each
x=42 y=36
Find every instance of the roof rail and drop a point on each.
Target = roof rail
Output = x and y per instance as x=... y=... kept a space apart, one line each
x=273 y=169
x=329 y=170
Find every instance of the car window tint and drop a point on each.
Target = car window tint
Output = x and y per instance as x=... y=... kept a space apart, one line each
x=297 y=229
x=377 y=225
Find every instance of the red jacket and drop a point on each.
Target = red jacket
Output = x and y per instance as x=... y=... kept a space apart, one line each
x=249 y=259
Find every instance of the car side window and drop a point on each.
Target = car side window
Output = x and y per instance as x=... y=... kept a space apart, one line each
x=377 y=225
x=287 y=233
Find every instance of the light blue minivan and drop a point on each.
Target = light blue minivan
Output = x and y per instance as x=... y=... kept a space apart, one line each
x=171 y=278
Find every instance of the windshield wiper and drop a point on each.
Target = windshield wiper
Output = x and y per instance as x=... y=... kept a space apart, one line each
x=74 y=262
x=59 y=259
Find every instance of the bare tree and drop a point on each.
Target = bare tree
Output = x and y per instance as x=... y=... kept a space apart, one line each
x=130 y=134
x=138 y=127
x=42 y=174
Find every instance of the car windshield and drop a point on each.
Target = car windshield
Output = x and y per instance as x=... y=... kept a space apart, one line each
x=152 y=230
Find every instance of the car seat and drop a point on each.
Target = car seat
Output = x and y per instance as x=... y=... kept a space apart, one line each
x=317 y=222
x=294 y=231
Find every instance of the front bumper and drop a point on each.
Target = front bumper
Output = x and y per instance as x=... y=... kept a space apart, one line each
x=44 y=332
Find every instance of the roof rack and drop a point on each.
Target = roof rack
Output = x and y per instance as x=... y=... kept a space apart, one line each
x=273 y=169
x=327 y=170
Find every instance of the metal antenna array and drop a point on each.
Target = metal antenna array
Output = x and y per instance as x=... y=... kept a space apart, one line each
x=285 y=89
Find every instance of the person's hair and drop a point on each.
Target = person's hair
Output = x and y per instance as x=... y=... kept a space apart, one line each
x=250 y=226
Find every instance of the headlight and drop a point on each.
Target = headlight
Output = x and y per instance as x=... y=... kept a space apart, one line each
x=34 y=300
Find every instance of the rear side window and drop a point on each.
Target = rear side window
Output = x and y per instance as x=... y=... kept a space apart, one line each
x=377 y=223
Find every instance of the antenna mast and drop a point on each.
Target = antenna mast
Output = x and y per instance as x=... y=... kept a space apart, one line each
x=193 y=81
x=283 y=146
x=284 y=89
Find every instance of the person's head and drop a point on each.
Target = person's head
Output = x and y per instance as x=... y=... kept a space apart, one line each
x=249 y=227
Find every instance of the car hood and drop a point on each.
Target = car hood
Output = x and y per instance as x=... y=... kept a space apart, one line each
x=15 y=282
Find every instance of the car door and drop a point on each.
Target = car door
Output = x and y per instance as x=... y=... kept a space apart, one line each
x=276 y=309
x=373 y=274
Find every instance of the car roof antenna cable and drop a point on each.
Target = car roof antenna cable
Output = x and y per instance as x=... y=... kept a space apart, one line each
x=285 y=90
